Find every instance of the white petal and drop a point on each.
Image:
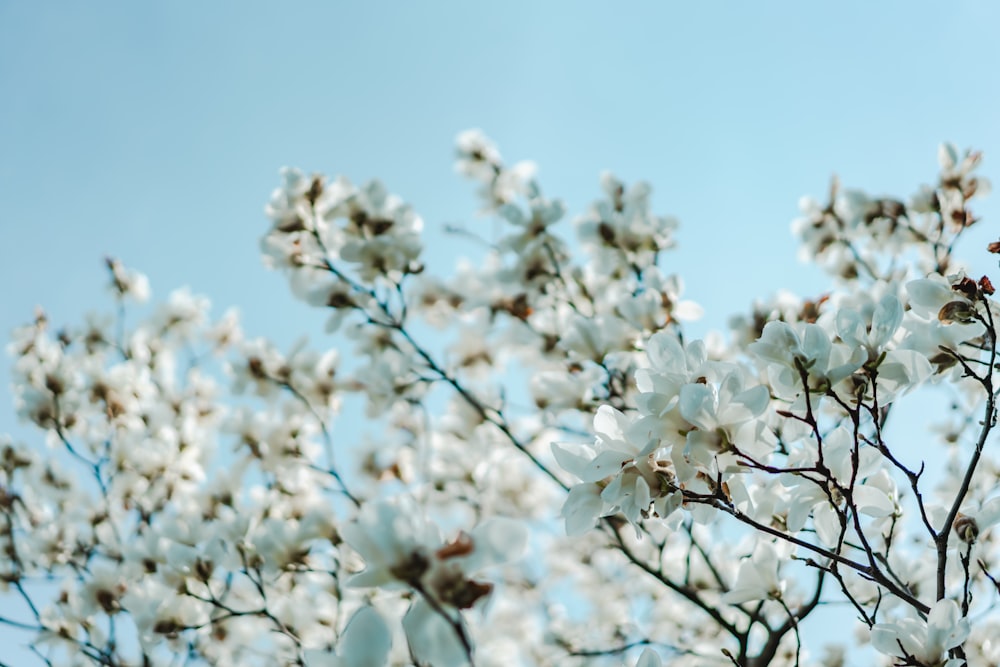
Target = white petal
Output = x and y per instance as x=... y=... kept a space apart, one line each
x=649 y=658
x=366 y=640
x=582 y=507
x=827 y=523
x=888 y=315
x=688 y=311
x=884 y=638
x=929 y=295
x=947 y=156
x=945 y=628
x=604 y=465
x=755 y=399
x=610 y=423
x=816 y=345
x=989 y=514
x=697 y=405
x=850 y=327
x=496 y=541
x=872 y=501
x=571 y=462
x=663 y=350
x=432 y=639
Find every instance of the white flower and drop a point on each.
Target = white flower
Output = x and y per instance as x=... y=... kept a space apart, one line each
x=912 y=638
x=757 y=578
x=788 y=351
x=725 y=416
x=852 y=329
x=400 y=546
x=477 y=156
x=395 y=541
x=939 y=316
x=631 y=475
x=807 y=497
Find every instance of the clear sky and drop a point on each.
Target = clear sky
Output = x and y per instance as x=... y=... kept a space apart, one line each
x=153 y=132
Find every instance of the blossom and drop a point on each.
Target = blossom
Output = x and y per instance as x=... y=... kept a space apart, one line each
x=757 y=578
x=854 y=331
x=631 y=476
x=808 y=349
x=401 y=547
x=939 y=317
x=806 y=496
x=724 y=417
x=924 y=641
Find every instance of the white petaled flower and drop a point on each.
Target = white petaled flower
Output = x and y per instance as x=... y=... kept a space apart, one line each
x=476 y=155
x=128 y=282
x=628 y=477
x=400 y=546
x=788 y=352
x=809 y=498
x=593 y=338
x=757 y=578
x=725 y=419
x=395 y=540
x=671 y=366
x=939 y=317
x=926 y=642
x=852 y=328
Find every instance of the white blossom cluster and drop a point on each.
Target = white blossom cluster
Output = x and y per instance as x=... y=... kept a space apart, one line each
x=560 y=476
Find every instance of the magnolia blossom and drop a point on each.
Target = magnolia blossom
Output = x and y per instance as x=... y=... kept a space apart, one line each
x=825 y=503
x=632 y=478
x=924 y=641
x=724 y=417
x=790 y=353
x=400 y=547
x=757 y=578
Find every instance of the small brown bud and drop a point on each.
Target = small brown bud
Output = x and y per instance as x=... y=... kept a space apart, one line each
x=338 y=299
x=108 y=601
x=966 y=286
x=315 y=190
x=985 y=286
x=54 y=384
x=167 y=626
x=256 y=367
x=462 y=546
x=606 y=232
x=411 y=568
x=467 y=595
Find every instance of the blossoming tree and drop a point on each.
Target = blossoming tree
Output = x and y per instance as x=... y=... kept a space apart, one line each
x=562 y=476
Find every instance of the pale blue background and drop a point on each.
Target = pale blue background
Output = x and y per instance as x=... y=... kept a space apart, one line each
x=154 y=131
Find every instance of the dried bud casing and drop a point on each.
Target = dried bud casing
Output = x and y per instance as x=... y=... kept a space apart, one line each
x=966 y=528
x=957 y=311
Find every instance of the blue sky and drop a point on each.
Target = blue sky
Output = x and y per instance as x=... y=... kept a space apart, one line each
x=153 y=132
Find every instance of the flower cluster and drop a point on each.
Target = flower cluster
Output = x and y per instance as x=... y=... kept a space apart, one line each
x=527 y=462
